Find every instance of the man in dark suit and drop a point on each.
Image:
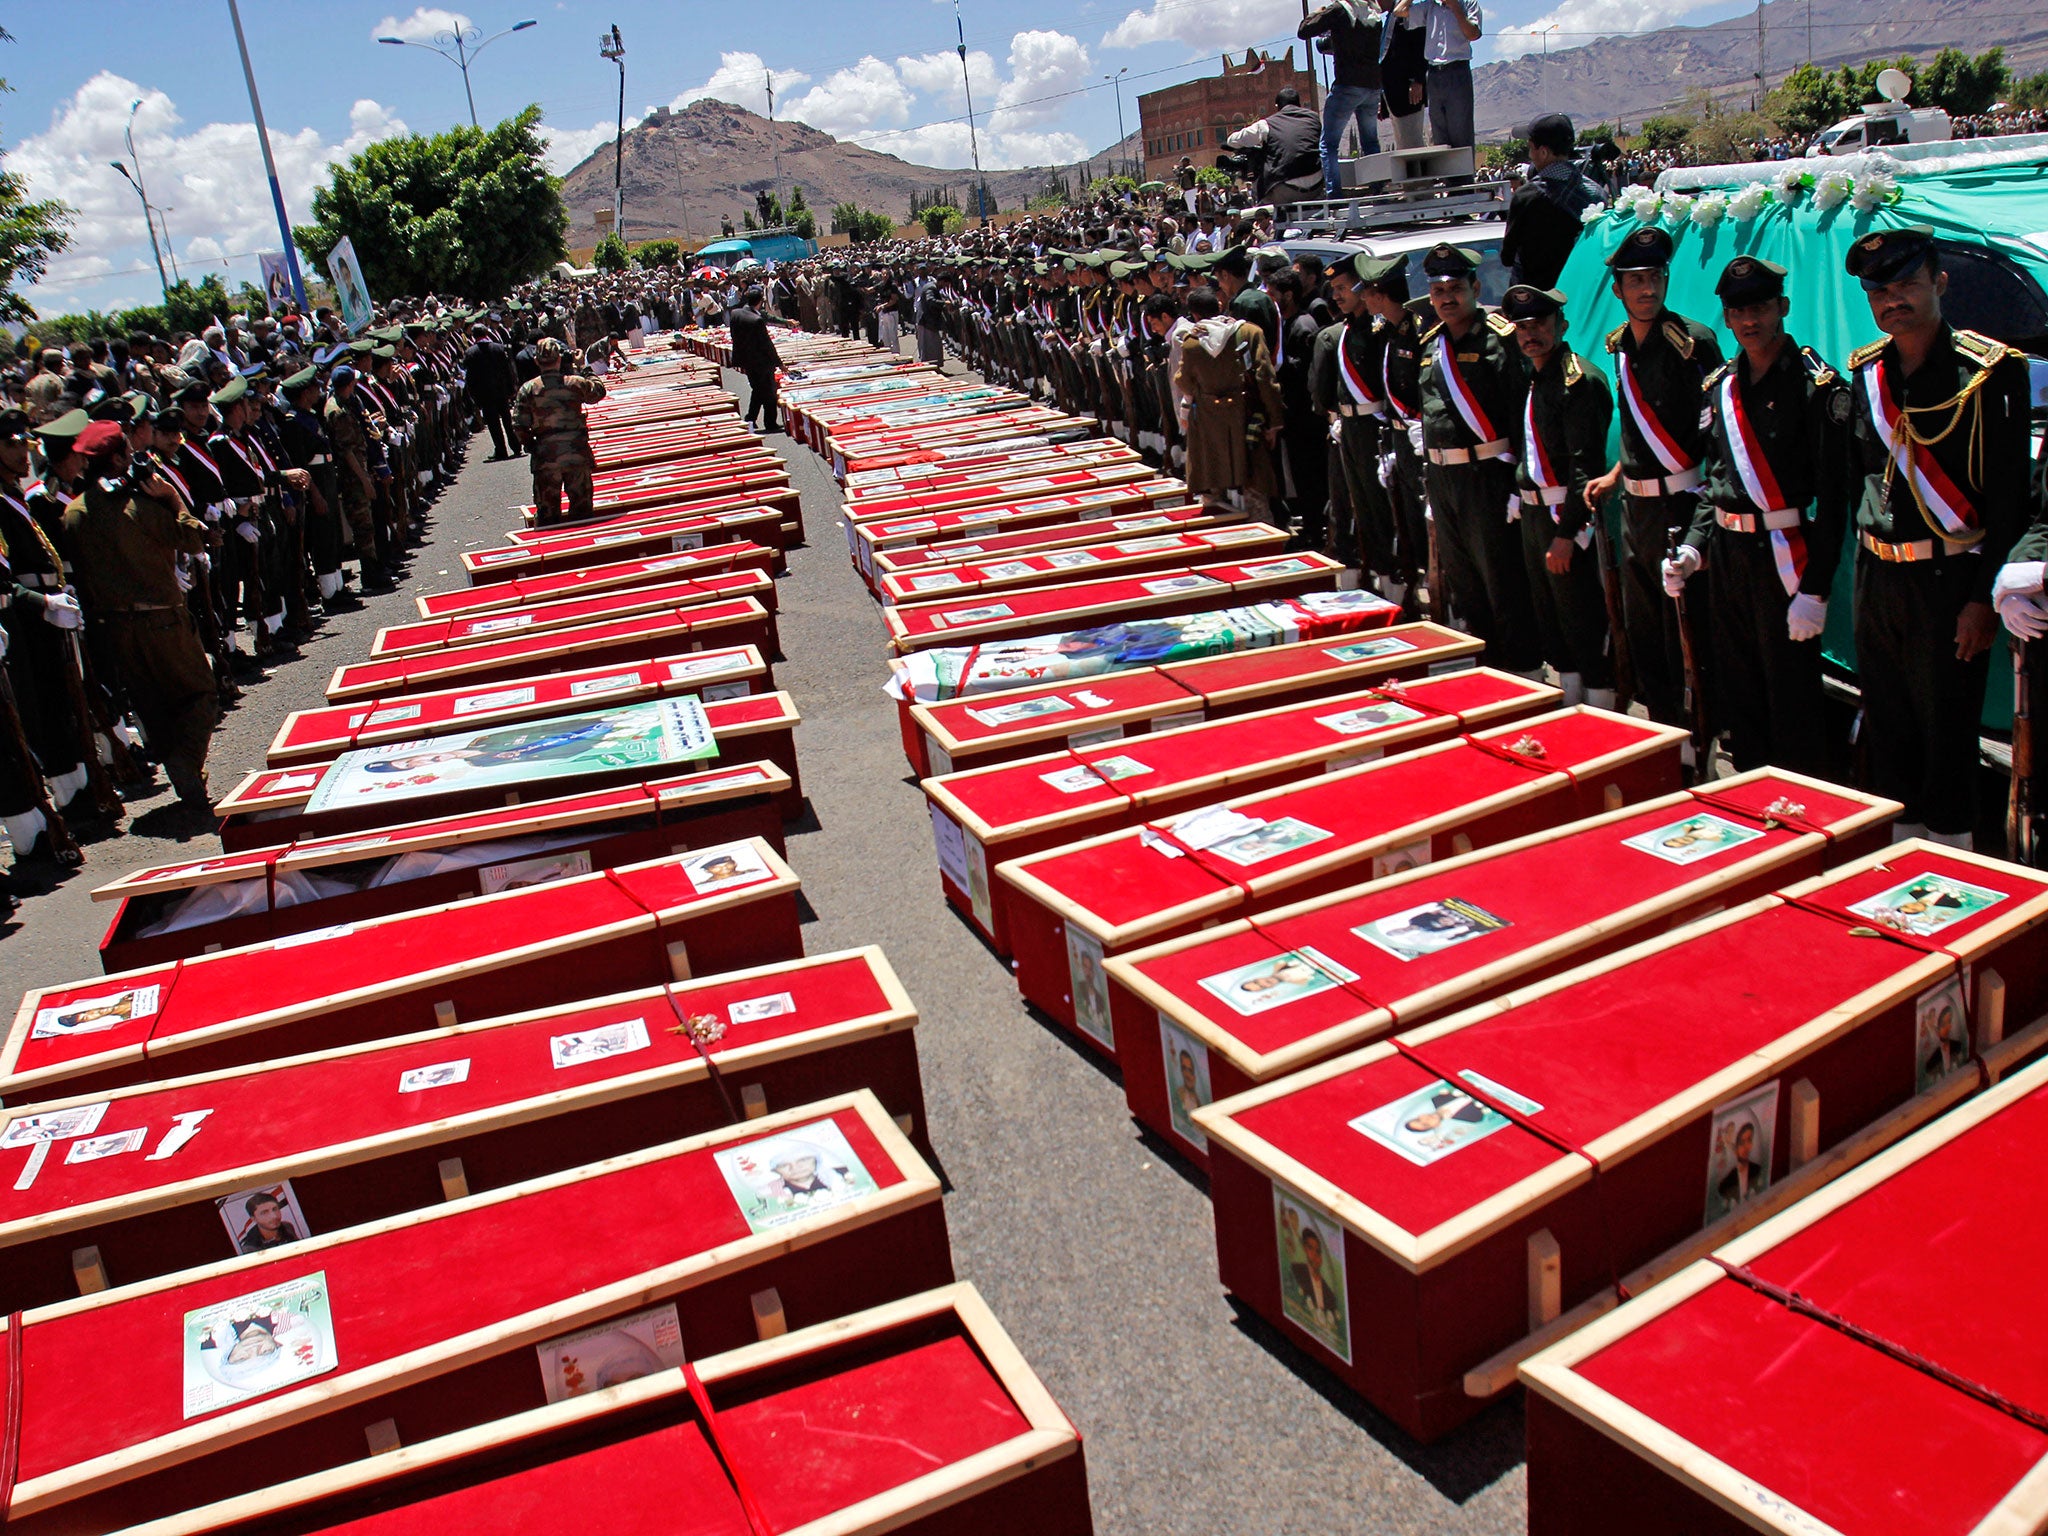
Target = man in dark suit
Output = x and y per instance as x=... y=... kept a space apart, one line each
x=1748 y=1177
x=754 y=354
x=490 y=381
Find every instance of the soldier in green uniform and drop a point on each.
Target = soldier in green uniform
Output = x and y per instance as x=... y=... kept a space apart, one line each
x=352 y=474
x=1940 y=460
x=1232 y=271
x=1560 y=444
x=1769 y=522
x=1660 y=362
x=1472 y=386
x=1398 y=345
x=1357 y=404
x=549 y=411
x=306 y=445
x=127 y=533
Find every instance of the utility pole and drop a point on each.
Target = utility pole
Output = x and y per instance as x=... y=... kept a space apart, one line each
x=1758 y=101
x=1546 y=31
x=136 y=180
x=769 y=76
x=973 y=142
x=284 y=223
x=1117 y=80
x=613 y=47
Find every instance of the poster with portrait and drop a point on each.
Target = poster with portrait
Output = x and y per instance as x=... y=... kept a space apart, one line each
x=1286 y=978
x=1941 y=1033
x=1284 y=834
x=1366 y=650
x=96 y=1015
x=1312 y=1294
x=1693 y=839
x=1102 y=770
x=351 y=293
x=1369 y=717
x=625 y=1349
x=259 y=1220
x=1187 y=1080
x=1429 y=927
x=710 y=870
x=783 y=1178
x=268 y=1339
x=654 y=731
x=582 y=1046
x=1440 y=1118
x=1739 y=1146
x=277 y=280
x=1926 y=904
x=1089 y=984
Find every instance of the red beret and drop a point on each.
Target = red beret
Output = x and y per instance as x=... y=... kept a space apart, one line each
x=99 y=437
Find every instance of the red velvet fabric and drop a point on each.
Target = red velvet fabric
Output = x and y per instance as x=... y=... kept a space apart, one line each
x=520 y=591
x=1070 y=535
x=1141 y=689
x=1004 y=576
x=578 y=608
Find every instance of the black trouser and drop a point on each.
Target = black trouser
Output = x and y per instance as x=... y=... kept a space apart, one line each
x=1767 y=690
x=1480 y=553
x=1308 y=462
x=1405 y=496
x=1650 y=617
x=498 y=418
x=761 y=397
x=1358 y=449
x=1921 y=707
x=1571 y=610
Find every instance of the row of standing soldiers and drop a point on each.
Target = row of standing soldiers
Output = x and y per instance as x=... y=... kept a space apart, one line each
x=137 y=532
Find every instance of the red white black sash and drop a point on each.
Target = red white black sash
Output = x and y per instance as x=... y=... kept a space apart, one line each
x=1463 y=399
x=1938 y=494
x=1401 y=408
x=1760 y=483
x=1543 y=471
x=1676 y=460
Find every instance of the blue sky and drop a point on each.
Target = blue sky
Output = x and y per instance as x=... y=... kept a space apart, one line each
x=881 y=72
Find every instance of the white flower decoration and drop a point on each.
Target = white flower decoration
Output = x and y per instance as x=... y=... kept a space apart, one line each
x=1790 y=183
x=1678 y=207
x=1749 y=202
x=1872 y=190
x=1593 y=213
x=1648 y=205
x=1710 y=210
x=1833 y=190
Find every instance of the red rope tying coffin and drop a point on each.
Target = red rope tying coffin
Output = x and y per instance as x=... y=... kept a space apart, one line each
x=1793 y=1301
x=1524 y=752
x=756 y=1521
x=1372 y=1004
x=10 y=1425
x=699 y=1035
x=163 y=1007
x=1781 y=813
x=1509 y=1113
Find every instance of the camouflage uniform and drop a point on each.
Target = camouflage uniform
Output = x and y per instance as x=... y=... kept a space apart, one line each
x=549 y=411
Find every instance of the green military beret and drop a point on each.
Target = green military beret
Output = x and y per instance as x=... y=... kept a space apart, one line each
x=383 y=352
x=142 y=404
x=362 y=344
x=1370 y=269
x=1447 y=260
x=389 y=333
x=1123 y=269
x=230 y=392
x=298 y=381
x=65 y=427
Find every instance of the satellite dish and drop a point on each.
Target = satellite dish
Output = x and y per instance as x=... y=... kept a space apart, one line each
x=1893 y=84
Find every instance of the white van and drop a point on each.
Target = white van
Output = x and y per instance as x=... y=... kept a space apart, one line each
x=1884 y=123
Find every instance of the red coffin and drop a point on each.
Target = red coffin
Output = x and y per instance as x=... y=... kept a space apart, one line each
x=650 y=490
x=671 y=531
x=637 y=925
x=1610 y=1125
x=319 y=735
x=974 y=732
x=1719 y=1391
x=930 y=466
x=918 y=557
x=739 y=621
x=424 y=636
x=899 y=486
x=851 y=452
x=1186 y=1018
x=642 y=570
x=363 y=1132
x=990 y=815
x=1071 y=906
x=175 y=911
x=437 y=1320
x=1028 y=507
x=953 y=1436
x=1123 y=557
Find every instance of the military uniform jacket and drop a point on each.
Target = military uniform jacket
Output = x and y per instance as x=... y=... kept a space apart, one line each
x=1325 y=389
x=1667 y=371
x=34 y=569
x=1253 y=304
x=1490 y=379
x=1400 y=354
x=549 y=411
x=1794 y=431
x=1567 y=413
x=127 y=547
x=1363 y=344
x=351 y=450
x=1967 y=406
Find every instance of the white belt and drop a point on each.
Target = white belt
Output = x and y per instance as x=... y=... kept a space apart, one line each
x=1345 y=408
x=316 y=461
x=1496 y=449
x=1544 y=496
x=1669 y=485
x=1776 y=520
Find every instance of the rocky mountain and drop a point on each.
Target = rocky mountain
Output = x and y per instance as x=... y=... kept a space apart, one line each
x=682 y=170
x=1629 y=77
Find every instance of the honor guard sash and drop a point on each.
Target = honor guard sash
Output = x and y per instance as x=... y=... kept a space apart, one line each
x=1760 y=485
x=1940 y=499
x=1674 y=458
x=1463 y=400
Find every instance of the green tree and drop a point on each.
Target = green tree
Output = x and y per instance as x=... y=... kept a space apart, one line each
x=657 y=253
x=30 y=234
x=1664 y=131
x=193 y=306
x=472 y=211
x=942 y=219
x=1962 y=85
x=2030 y=94
x=1806 y=101
x=1208 y=176
x=610 y=255
x=863 y=227
x=801 y=219
x=1115 y=186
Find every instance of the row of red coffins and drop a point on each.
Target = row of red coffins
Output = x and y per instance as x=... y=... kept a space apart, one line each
x=1029 y=512
x=318 y=799
x=984 y=817
x=657 y=531
x=605 y=576
x=1481 y=1186
x=918 y=466
x=653 y=443
x=902 y=487
x=904 y=560
x=827 y=424
x=681 y=481
x=1143 y=554
x=1866 y=1361
x=881 y=446
x=174 y=911
x=763 y=485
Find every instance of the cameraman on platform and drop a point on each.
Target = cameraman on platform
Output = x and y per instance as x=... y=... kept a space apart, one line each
x=1282 y=152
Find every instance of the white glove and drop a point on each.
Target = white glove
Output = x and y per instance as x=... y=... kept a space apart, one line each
x=63 y=611
x=1336 y=429
x=3 y=642
x=1806 y=617
x=1678 y=568
x=249 y=531
x=2017 y=596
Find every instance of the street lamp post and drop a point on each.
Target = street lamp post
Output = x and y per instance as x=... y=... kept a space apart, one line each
x=467 y=43
x=1117 y=80
x=135 y=181
x=613 y=47
x=1544 y=33
x=284 y=224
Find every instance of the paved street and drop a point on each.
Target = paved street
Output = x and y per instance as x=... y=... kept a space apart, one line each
x=1091 y=1241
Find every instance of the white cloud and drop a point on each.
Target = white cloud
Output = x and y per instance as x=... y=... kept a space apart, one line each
x=1042 y=64
x=570 y=147
x=868 y=95
x=209 y=181
x=742 y=79
x=1206 y=24
x=938 y=75
x=1579 y=22
x=423 y=25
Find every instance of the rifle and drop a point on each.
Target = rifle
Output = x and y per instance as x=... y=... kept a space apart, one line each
x=1610 y=589
x=2019 y=805
x=105 y=798
x=1688 y=651
x=15 y=740
x=1439 y=608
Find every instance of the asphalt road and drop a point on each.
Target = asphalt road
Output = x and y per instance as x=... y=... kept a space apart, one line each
x=1090 y=1239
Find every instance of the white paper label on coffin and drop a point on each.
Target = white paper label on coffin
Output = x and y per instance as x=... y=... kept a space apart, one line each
x=95 y=1015
x=1365 y=650
x=979 y=615
x=1175 y=721
x=751 y=1010
x=625 y=1349
x=1089 y=984
x=952 y=847
x=1190 y=583
x=937 y=582
x=501 y=698
x=720 y=869
x=1021 y=709
x=441 y=1074
x=977 y=882
x=1278 y=568
x=574 y=1050
x=53 y=1125
x=594 y=685
x=1069 y=559
x=395 y=712
x=90 y=1149
x=1368 y=717
x=706 y=665
x=498 y=625
x=1148 y=546
x=1007 y=570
